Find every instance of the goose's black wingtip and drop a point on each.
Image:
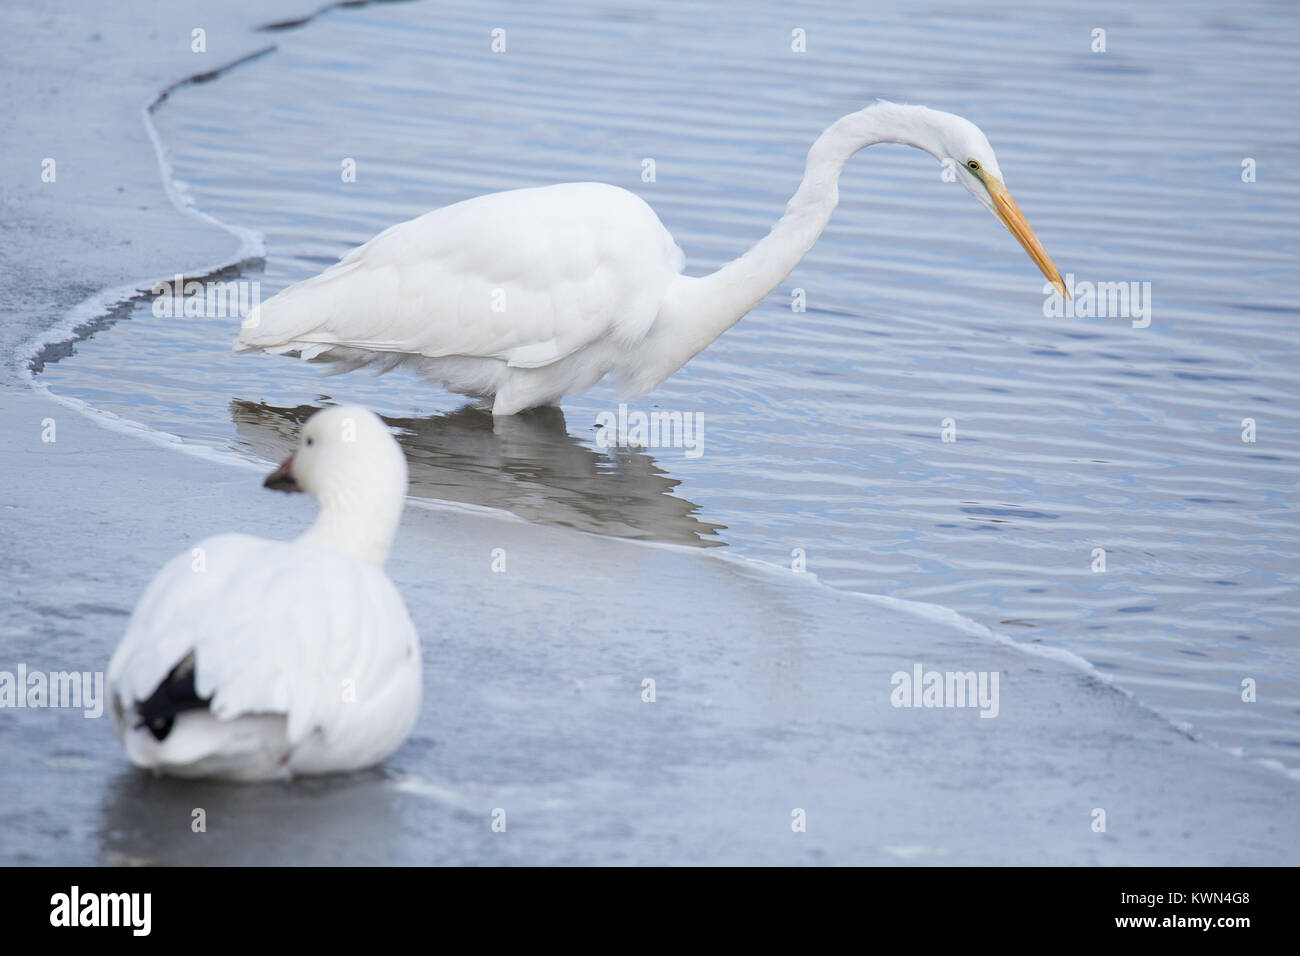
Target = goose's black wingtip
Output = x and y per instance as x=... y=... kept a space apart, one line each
x=175 y=695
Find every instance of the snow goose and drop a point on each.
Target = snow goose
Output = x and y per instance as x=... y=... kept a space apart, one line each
x=252 y=659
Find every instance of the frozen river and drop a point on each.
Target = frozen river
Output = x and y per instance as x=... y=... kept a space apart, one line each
x=823 y=430
x=822 y=445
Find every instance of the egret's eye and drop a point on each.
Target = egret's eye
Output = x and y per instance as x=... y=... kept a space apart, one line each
x=309 y=441
x=972 y=165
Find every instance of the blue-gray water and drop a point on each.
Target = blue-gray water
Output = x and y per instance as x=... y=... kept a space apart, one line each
x=823 y=428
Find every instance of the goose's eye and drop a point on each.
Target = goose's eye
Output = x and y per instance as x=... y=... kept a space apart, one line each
x=972 y=165
x=309 y=442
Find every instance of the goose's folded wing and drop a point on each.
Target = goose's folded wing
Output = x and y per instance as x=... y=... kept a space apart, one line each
x=274 y=627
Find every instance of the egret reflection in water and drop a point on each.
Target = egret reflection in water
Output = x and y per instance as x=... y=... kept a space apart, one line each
x=526 y=464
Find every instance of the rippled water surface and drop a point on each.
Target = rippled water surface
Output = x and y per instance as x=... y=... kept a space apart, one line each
x=822 y=429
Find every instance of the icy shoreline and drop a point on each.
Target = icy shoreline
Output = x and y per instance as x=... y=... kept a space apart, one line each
x=535 y=678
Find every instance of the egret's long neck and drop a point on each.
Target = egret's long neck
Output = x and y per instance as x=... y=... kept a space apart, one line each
x=698 y=310
x=358 y=524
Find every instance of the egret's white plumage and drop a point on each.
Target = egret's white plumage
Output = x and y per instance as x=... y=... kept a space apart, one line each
x=528 y=295
x=254 y=659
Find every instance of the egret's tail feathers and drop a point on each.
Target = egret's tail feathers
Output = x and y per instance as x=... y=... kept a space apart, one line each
x=342 y=358
x=298 y=318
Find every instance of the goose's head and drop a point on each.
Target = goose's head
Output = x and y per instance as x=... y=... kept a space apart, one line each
x=349 y=461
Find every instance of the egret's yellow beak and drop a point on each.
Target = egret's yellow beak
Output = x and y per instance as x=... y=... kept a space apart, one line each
x=1014 y=220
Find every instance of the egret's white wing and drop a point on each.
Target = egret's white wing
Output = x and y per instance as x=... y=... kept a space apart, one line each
x=275 y=628
x=528 y=276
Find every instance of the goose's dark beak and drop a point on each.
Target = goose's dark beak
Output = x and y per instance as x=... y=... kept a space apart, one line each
x=282 y=478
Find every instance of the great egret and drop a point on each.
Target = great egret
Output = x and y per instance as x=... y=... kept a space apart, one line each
x=532 y=294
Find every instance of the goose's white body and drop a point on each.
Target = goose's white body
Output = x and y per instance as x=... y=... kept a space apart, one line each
x=309 y=657
x=528 y=295
x=304 y=653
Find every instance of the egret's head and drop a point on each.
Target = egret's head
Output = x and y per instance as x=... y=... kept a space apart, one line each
x=966 y=150
x=963 y=148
